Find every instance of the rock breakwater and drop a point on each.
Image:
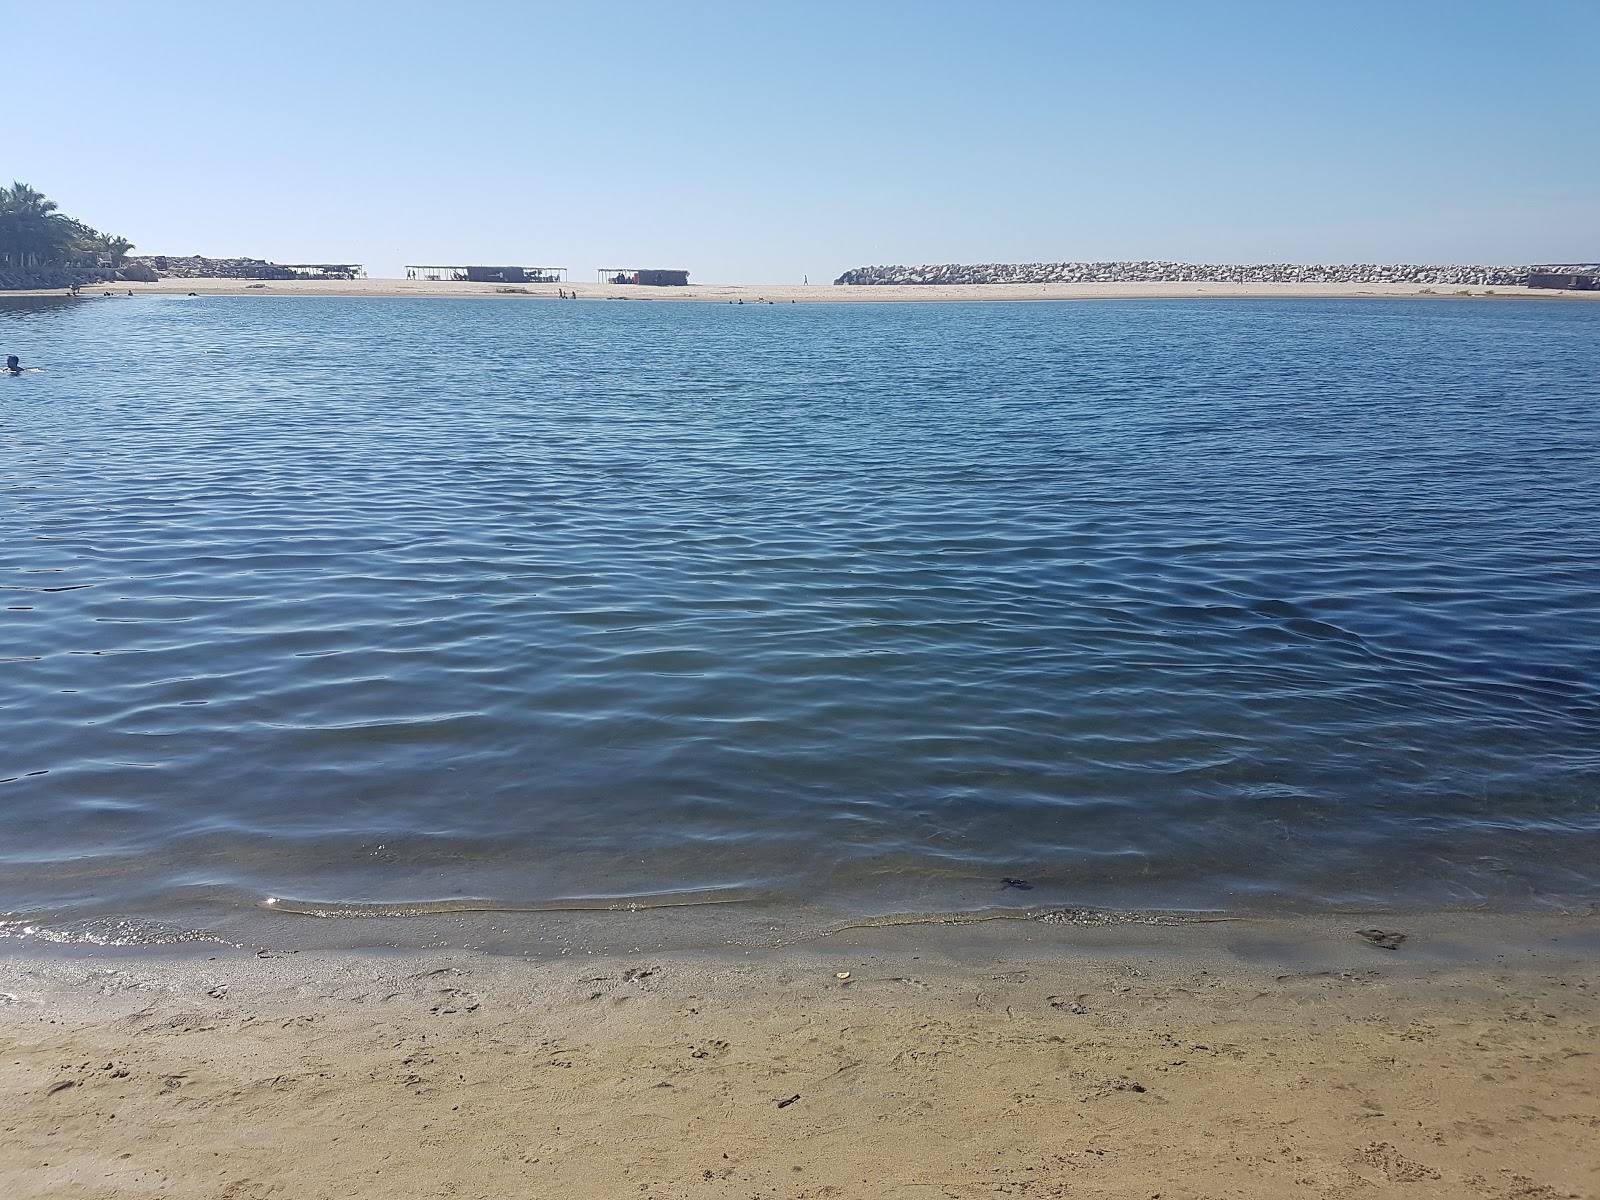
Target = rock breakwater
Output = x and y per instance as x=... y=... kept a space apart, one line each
x=195 y=266
x=1152 y=271
x=49 y=278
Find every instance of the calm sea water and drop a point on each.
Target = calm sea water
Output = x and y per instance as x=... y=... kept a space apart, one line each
x=1241 y=604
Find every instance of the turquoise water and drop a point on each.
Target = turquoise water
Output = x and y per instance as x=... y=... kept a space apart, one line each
x=1242 y=604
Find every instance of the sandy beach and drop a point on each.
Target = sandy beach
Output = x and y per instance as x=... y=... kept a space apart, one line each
x=1238 y=1059
x=817 y=293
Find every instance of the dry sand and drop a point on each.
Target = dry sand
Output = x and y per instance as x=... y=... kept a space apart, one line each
x=815 y=293
x=1230 y=1060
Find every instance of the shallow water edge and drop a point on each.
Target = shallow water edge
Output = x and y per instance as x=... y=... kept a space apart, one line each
x=745 y=927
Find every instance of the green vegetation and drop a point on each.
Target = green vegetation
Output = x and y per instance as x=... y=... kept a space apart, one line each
x=35 y=235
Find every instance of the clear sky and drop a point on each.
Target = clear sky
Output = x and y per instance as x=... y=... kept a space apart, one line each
x=766 y=141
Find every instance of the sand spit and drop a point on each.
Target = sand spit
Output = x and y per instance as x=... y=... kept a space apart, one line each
x=815 y=293
x=1240 y=1060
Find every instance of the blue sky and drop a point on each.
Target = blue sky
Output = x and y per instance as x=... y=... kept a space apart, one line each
x=762 y=142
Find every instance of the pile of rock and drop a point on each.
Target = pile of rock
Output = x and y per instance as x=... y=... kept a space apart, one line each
x=194 y=266
x=50 y=278
x=1176 y=272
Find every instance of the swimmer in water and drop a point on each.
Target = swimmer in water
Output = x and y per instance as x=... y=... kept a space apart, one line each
x=13 y=367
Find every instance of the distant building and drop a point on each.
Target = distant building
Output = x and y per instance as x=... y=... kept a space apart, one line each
x=1571 y=277
x=324 y=270
x=645 y=277
x=488 y=274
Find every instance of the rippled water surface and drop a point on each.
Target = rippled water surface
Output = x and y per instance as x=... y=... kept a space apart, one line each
x=1233 y=604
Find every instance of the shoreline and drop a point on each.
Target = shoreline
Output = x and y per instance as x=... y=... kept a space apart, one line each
x=1258 y=1058
x=813 y=293
x=1436 y=935
x=757 y=923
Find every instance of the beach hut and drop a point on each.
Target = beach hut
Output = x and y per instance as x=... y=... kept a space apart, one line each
x=438 y=274
x=1571 y=277
x=516 y=274
x=488 y=274
x=647 y=277
x=325 y=270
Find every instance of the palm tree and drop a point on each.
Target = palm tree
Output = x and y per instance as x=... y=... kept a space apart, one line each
x=99 y=249
x=33 y=233
x=22 y=198
x=115 y=246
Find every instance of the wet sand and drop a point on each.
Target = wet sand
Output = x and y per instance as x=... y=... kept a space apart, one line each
x=1239 y=1059
x=817 y=293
